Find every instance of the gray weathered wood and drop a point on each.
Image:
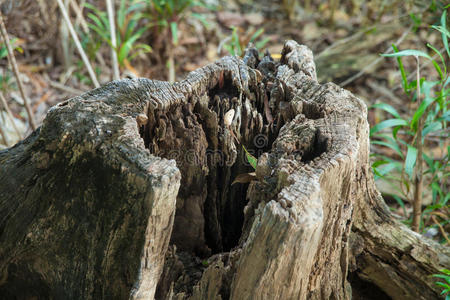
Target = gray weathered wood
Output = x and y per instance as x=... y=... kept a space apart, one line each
x=126 y=192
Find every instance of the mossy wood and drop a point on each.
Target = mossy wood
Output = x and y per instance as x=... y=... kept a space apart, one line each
x=127 y=192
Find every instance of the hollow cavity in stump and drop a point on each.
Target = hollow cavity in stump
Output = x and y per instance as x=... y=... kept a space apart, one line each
x=210 y=155
x=209 y=151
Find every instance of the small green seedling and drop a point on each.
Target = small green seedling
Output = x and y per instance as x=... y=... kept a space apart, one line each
x=247 y=177
x=253 y=161
x=446 y=284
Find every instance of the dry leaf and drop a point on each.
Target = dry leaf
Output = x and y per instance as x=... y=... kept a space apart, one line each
x=245 y=178
x=228 y=118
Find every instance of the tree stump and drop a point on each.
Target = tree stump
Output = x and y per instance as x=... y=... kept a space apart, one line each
x=129 y=191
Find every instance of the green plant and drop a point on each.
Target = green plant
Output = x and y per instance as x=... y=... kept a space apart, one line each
x=90 y=45
x=7 y=82
x=237 y=42
x=165 y=17
x=253 y=161
x=129 y=30
x=408 y=136
x=168 y=14
x=15 y=44
x=80 y=74
x=446 y=284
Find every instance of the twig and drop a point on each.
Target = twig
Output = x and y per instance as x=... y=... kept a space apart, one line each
x=376 y=61
x=12 y=60
x=442 y=230
x=78 y=44
x=112 y=28
x=64 y=88
x=2 y=133
x=418 y=180
x=79 y=16
x=9 y=114
x=65 y=41
x=342 y=41
x=171 y=66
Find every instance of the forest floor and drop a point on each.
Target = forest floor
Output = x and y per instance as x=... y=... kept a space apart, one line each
x=346 y=41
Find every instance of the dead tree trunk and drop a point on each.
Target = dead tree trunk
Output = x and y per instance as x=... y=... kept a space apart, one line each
x=93 y=207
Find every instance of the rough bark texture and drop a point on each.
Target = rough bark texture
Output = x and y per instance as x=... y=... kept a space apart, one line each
x=127 y=192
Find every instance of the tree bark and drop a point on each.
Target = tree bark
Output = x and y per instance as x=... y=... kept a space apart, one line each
x=128 y=192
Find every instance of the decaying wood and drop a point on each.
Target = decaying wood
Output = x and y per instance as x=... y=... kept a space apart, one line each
x=126 y=192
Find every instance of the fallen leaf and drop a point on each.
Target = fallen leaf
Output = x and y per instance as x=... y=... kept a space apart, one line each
x=228 y=118
x=230 y=19
x=130 y=68
x=245 y=178
x=254 y=18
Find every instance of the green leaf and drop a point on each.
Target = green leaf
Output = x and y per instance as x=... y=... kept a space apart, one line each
x=121 y=12
x=202 y=19
x=436 y=190
x=445 y=116
x=387 y=168
x=410 y=161
x=405 y=84
x=140 y=49
x=434 y=126
x=388 y=108
x=379 y=163
x=261 y=44
x=251 y=159
x=174 y=31
x=419 y=112
x=401 y=203
x=445 y=277
x=256 y=34
x=442 y=59
x=388 y=123
x=97 y=21
x=410 y=52
x=444 y=32
x=393 y=146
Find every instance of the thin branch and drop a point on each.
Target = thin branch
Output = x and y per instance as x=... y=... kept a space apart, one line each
x=418 y=179
x=343 y=41
x=112 y=28
x=9 y=114
x=2 y=133
x=78 y=44
x=12 y=60
x=64 y=88
x=171 y=66
x=442 y=230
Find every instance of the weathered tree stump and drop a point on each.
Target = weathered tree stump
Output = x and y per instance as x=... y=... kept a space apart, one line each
x=92 y=206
